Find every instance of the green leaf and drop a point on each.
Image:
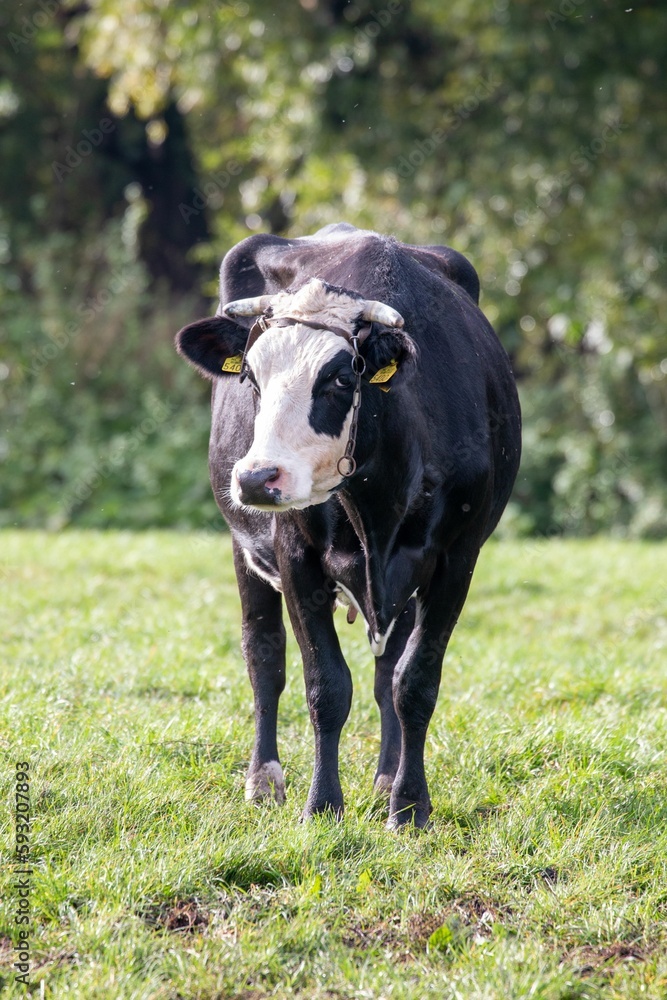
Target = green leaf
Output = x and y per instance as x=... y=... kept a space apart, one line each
x=365 y=880
x=313 y=887
x=441 y=939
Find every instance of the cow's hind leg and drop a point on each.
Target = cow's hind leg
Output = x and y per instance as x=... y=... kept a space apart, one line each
x=417 y=679
x=263 y=643
x=390 y=727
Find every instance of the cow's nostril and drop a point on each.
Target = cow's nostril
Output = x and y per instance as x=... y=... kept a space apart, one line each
x=255 y=485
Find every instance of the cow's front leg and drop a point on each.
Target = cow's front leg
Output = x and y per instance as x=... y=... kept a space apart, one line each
x=309 y=597
x=263 y=643
x=417 y=680
x=390 y=727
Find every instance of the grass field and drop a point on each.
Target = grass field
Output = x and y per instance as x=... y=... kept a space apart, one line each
x=545 y=872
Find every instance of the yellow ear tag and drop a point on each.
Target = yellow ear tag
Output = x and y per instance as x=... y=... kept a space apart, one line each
x=384 y=374
x=232 y=364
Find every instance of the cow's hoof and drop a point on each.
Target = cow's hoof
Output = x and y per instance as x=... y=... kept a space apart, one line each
x=409 y=816
x=266 y=782
x=383 y=784
x=328 y=809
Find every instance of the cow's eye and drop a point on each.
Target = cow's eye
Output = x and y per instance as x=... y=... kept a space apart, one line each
x=343 y=382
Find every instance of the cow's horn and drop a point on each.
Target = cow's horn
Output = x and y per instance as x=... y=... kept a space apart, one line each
x=378 y=312
x=248 y=307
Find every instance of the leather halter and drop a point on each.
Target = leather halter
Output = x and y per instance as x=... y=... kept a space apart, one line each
x=264 y=322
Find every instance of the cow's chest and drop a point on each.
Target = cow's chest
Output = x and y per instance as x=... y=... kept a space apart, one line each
x=355 y=588
x=371 y=585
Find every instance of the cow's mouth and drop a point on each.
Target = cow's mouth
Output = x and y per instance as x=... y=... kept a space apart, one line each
x=284 y=503
x=273 y=489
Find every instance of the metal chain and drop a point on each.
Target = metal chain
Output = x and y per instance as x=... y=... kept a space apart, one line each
x=348 y=460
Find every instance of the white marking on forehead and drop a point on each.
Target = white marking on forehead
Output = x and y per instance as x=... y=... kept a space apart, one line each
x=295 y=352
x=318 y=304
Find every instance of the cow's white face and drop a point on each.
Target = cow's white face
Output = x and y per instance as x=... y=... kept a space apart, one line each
x=305 y=383
x=303 y=374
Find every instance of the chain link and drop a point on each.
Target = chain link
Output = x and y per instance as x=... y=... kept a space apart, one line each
x=347 y=460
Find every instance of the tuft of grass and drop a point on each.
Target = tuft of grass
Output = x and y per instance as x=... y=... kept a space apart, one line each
x=544 y=874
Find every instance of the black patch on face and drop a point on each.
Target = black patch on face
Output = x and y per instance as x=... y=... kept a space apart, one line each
x=331 y=402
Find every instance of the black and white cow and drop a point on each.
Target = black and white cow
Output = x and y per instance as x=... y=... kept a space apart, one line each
x=365 y=439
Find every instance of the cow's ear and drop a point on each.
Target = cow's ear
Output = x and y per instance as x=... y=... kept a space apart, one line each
x=390 y=356
x=214 y=346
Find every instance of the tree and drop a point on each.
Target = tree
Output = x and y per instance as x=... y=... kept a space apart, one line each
x=533 y=140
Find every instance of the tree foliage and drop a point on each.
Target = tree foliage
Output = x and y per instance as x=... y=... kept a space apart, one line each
x=531 y=139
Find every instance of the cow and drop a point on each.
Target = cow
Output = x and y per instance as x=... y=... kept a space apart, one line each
x=365 y=438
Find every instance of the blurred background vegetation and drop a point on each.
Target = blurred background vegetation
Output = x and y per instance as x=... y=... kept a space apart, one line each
x=140 y=139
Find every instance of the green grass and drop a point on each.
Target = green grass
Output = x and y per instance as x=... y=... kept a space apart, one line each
x=545 y=873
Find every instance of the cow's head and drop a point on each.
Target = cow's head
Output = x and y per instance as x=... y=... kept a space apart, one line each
x=301 y=370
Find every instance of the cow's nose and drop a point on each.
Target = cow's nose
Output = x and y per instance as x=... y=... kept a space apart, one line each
x=258 y=486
